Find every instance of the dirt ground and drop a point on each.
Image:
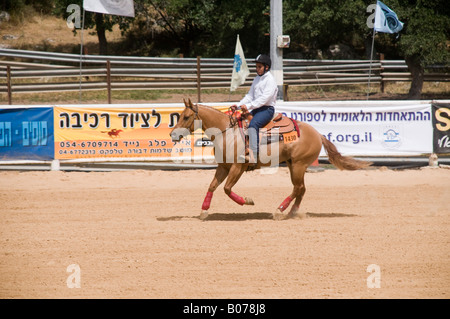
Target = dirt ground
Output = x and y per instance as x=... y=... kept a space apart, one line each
x=135 y=234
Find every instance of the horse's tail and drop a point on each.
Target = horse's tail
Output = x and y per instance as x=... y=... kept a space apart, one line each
x=342 y=162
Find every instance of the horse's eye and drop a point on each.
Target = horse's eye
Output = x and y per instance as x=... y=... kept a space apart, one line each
x=186 y=118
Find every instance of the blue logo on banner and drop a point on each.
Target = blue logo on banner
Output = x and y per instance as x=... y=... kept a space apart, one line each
x=26 y=134
x=391 y=138
x=237 y=62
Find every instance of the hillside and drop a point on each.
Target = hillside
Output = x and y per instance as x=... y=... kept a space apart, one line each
x=49 y=33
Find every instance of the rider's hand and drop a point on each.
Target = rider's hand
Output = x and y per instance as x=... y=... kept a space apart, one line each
x=244 y=109
x=234 y=107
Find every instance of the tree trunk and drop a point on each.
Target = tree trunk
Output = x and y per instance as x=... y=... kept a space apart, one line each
x=103 y=44
x=417 y=73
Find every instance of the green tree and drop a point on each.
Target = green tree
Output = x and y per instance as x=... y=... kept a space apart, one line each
x=423 y=42
x=188 y=27
x=248 y=18
x=184 y=21
x=205 y=27
x=15 y=6
x=316 y=24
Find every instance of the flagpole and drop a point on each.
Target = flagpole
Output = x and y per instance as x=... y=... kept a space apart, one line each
x=370 y=65
x=81 y=52
x=381 y=25
x=229 y=94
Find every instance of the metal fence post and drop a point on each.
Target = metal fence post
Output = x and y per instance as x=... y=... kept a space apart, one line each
x=8 y=84
x=108 y=79
x=198 y=81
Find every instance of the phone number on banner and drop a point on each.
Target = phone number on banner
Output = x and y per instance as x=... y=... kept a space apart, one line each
x=75 y=149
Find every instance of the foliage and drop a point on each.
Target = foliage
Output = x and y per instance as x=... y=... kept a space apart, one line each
x=316 y=24
x=207 y=27
x=60 y=9
x=426 y=31
x=15 y=6
x=101 y=22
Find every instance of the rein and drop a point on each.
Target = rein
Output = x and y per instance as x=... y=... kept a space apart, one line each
x=196 y=117
x=235 y=120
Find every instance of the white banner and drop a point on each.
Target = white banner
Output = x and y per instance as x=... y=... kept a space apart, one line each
x=363 y=128
x=117 y=7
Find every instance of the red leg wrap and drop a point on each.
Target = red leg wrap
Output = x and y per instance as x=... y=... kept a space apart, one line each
x=285 y=204
x=207 y=201
x=238 y=199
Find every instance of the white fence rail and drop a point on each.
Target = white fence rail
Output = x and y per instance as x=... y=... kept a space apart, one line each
x=24 y=71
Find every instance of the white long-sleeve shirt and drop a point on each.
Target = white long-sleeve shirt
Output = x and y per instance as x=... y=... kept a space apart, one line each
x=263 y=91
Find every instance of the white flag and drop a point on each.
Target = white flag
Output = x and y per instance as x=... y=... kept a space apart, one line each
x=386 y=20
x=117 y=7
x=240 y=68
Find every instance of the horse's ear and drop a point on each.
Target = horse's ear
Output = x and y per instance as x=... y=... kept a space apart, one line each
x=188 y=104
x=191 y=106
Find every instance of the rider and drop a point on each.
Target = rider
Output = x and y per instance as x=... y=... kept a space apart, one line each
x=260 y=101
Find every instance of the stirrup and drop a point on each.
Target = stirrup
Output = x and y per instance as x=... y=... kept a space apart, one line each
x=248 y=158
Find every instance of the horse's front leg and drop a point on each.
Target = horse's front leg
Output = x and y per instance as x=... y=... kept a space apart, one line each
x=233 y=176
x=219 y=177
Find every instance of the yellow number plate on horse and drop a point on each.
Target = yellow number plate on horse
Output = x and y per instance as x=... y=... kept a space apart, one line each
x=290 y=137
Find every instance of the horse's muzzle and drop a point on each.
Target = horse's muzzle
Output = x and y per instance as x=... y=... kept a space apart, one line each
x=177 y=134
x=175 y=137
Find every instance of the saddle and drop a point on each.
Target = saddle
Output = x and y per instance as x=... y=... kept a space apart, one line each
x=283 y=127
x=283 y=123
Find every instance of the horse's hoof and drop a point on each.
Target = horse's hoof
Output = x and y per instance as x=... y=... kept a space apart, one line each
x=278 y=215
x=249 y=201
x=298 y=215
x=203 y=215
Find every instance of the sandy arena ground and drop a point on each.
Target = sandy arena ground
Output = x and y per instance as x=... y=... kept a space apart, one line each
x=134 y=234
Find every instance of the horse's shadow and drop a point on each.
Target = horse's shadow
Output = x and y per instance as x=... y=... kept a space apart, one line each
x=248 y=216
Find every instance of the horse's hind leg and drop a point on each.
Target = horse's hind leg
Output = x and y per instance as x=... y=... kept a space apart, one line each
x=294 y=212
x=298 y=180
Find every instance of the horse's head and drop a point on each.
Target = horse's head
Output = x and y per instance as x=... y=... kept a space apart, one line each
x=185 y=125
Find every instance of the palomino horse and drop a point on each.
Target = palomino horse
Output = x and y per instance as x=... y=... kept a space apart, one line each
x=298 y=155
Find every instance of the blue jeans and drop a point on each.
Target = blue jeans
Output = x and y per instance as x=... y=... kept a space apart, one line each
x=261 y=116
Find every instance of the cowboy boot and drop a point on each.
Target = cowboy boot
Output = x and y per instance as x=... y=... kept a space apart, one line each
x=249 y=157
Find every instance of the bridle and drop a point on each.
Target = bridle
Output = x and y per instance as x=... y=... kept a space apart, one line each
x=233 y=119
x=195 y=117
x=236 y=120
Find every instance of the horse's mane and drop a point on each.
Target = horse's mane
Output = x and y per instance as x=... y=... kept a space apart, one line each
x=232 y=119
x=211 y=108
